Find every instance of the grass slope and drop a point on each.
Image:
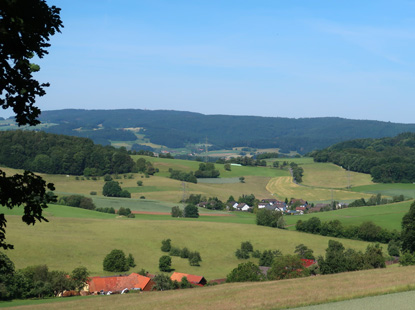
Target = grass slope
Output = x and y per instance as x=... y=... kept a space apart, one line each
x=259 y=295
x=65 y=243
x=387 y=216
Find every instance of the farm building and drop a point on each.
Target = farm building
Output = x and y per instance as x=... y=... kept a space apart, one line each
x=197 y=280
x=133 y=281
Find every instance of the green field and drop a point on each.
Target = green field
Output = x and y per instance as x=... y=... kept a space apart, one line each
x=67 y=242
x=387 y=216
x=392 y=189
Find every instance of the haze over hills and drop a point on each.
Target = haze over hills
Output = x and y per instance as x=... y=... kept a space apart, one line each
x=175 y=129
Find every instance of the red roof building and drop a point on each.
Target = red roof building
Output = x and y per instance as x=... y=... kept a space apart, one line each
x=198 y=280
x=119 y=283
x=308 y=262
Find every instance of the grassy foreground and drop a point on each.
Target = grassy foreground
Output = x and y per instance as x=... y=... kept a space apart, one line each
x=260 y=295
x=65 y=243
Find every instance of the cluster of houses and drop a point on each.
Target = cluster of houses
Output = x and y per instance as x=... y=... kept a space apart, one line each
x=301 y=206
x=134 y=282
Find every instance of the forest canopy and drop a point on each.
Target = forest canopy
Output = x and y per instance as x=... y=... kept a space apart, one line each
x=388 y=160
x=59 y=154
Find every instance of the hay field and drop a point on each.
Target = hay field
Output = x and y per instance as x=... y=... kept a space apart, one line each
x=284 y=187
x=331 y=176
x=258 y=295
x=65 y=243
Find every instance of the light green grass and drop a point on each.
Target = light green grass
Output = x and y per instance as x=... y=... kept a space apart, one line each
x=387 y=216
x=392 y=189
x=65 y=243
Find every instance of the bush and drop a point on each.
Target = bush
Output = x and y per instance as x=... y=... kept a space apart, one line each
x=166 y=245
x=194 y=259
x=116 y=261
x=93 y=193
x=176 y=212
x=140 y=183
x=191 y=211
x=241 y=254
x=246 y=272
x=287 y=267
x=175 y=251
x=165 y=263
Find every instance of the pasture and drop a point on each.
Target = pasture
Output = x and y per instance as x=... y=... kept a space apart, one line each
x=67 y=242
x=387 y=216
x=390 y=189
x=328 y=175
x=259 y=295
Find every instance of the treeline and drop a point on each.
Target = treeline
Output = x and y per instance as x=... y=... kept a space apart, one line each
x=182 y=176
x=367 y=231
x=37 y=281
x=59 y=154
x=206 y=170
x=297 y=172
x=388 y=160
x=375 y=200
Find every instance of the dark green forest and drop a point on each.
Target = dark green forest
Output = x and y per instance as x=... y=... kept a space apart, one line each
x=388 y=160
x=59 y=154
x=176 y=129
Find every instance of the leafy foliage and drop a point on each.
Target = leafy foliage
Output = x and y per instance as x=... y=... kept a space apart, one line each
x=113 y=189
x=191 y=211
x=165 y=263
x=176 y=212
x=116 y=261
x=265 y=217
x=408 y=230
x=166 y=245
x=245 y=272
x=386 y=159
x=287 y=267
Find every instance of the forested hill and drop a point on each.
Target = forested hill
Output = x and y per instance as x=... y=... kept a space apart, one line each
x=176 y=129
x=59 y=154
x=387 y=159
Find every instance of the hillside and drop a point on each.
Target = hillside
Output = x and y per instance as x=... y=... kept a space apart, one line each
x=388 y=160
x=176 y=129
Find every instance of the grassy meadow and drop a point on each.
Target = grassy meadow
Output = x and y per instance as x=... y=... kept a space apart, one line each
x=66 y=242
x=387 y=216
x=254 y=295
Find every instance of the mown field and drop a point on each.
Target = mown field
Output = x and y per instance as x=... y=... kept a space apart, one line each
x=67 y=242
x=387 y=216
x=284 y=187
x=390 y=189
x=257 y=295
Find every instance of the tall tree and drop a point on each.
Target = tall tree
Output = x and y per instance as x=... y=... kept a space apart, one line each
x=408 y=230
x=25 y=29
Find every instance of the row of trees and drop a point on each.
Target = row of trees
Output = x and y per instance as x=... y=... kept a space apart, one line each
x=190 y=211
x=337 y=259
x=193 y=256
x=182 y=176
x=375 y=200
x=37 y=281
x=367 y=231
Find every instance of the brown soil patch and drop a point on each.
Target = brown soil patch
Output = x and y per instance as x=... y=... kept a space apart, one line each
x=168 y=213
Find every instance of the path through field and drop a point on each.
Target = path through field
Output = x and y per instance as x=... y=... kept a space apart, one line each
x=401 y=301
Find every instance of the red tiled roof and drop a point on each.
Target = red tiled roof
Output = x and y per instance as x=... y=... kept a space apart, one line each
x=308 y=262
x=118 y=283
x=177 y=276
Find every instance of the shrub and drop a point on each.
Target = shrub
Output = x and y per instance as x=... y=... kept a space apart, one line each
x=246 y=272
x=166 y=245
x=191 y=211
x=165 y=263
x=93 y=193
x=116 y=261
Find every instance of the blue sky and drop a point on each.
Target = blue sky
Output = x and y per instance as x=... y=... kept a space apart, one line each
x=351 y=59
